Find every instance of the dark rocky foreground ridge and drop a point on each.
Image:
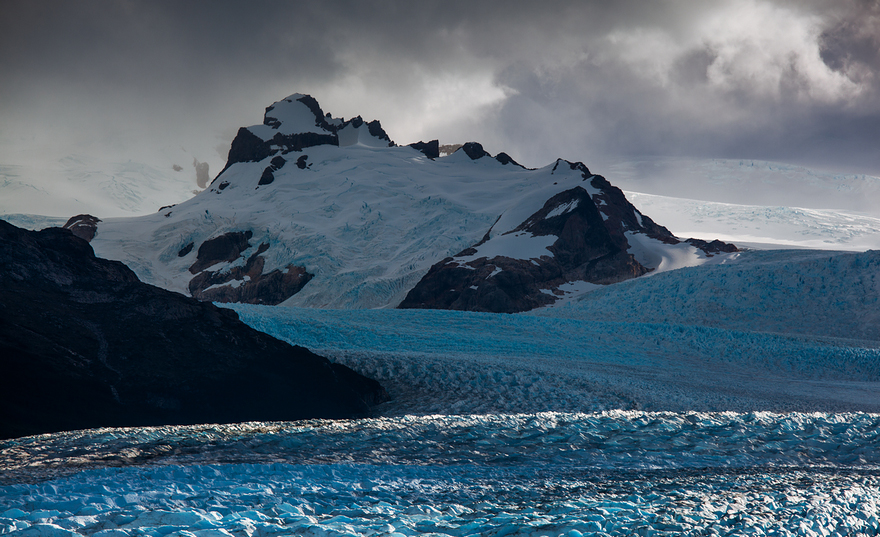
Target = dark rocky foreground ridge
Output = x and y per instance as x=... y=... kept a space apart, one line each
x=84 y=343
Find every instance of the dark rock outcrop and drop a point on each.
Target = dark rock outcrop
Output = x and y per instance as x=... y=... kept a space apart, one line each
x=248 y=147
x=186 y=250
x=474 y=150
x=269 y=173
x=504 y=158
x=83 y=226
x=712 y=247
x=430 y=149
x=83 y=343
x=243 y=283
x=584 y=250
x=225 y=248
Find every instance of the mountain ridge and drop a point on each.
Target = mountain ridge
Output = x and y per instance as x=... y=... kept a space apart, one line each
x=366 y=219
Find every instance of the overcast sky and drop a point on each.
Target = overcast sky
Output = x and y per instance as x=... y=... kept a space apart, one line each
x=793 y=81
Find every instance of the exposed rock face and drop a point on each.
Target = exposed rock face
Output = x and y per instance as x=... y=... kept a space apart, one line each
x=226 y=247
x=430 y=149
x=583 y=250
x=83 y=226
x=241 y=283
x=713 y=247
x=579 y=235
x=84 y=344
x=269 y=172
x=475 y=151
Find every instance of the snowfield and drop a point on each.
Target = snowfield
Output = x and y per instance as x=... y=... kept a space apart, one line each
x=762 y=226
x=101 y=186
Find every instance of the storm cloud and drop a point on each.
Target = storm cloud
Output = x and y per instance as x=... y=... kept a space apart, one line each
x=591 y=81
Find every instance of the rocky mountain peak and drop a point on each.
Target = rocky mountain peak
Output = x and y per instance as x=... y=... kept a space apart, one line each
x=298 y=122
x=318 y=211
x=475 y=151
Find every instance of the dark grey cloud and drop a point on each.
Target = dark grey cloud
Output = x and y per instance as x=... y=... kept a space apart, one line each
x=593 y=81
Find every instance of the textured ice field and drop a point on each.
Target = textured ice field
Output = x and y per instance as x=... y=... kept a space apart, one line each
x=730 y=399
x=614 y=473
x=774 y=330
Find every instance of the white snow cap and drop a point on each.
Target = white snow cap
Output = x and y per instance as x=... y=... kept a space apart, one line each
x=301 y=114
x=291 y=115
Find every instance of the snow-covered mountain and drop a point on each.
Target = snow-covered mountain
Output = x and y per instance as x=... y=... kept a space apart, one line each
x=317 y=211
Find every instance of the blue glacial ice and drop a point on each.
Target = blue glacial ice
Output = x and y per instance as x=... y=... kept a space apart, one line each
x=612 y=473
x=679 y=404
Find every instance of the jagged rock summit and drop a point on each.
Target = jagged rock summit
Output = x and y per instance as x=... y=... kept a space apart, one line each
x=296 y=123
x=316 y=211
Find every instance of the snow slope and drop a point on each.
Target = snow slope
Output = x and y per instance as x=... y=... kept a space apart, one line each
x=763 y=226
x=98 y=185
x=805 y=292
x=749 y=182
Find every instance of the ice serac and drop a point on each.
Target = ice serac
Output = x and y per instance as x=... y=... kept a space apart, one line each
x=84 y=343
x=578 y=236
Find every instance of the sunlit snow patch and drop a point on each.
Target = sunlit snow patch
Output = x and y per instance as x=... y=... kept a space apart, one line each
x=519 y=245
x=659 y=256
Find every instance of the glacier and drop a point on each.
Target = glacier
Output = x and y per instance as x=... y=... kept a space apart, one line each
x=659 y=406
x=612 y=473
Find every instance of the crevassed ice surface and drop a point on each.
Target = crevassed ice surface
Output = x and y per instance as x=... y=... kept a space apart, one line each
x=674 y=406
x=537 y=474
x=613 y=473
